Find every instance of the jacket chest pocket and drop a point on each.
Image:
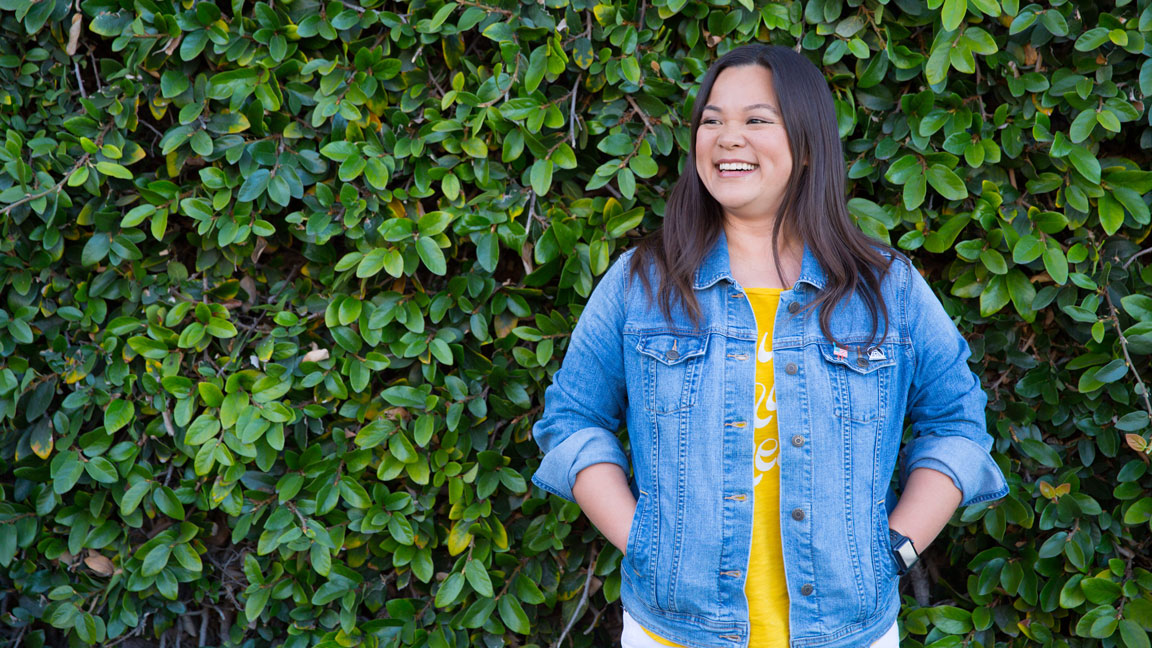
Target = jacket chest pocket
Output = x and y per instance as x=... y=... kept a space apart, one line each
x=860 y=378
x=672 y=367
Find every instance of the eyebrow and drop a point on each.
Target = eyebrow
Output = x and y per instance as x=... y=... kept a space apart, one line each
x=759 y=106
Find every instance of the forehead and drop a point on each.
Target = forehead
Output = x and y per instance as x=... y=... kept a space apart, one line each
x=744 y=85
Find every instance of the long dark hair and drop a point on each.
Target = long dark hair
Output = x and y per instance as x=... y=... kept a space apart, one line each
x=813 y=207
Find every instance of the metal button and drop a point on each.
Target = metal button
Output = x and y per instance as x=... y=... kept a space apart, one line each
x=672 y=355
x=797 y=514
x=794 y=307
x=798 y=441
x=791 y=369
x=807 y=589
x=863 y=362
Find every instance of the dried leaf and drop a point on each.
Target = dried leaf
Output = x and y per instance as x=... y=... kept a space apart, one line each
x=99 y=563
x=316 y=355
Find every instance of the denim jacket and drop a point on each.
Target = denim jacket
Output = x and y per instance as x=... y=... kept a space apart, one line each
x=687 y=397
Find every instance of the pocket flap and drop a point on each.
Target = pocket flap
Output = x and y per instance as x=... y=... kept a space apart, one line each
x=672 y=349
x=860 y=358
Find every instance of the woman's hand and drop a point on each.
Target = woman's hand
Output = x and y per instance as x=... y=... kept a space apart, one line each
x=603 y=494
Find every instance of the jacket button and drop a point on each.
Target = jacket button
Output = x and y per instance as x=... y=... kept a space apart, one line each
x=797 y=514
x=806 y=590
x=863 y=362
x=794 y=307
x=672 y=355
x=798 y=441
x=791 y=369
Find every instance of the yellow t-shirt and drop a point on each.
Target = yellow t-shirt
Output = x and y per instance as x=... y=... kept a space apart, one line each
x=765 y=585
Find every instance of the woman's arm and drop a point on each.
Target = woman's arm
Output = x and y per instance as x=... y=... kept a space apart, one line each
x=585 y=404
x=602 y=492
x=946 y=414
x=928 y=501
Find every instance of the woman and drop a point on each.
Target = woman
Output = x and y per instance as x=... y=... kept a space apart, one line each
x=764 y=355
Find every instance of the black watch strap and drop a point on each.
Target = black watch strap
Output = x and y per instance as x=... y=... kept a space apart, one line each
x=903 y=551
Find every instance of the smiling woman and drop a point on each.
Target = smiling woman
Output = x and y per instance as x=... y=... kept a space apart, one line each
x=742 y=152
x=765 y=363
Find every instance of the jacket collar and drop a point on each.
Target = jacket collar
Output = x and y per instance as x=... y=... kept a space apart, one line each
x=716 y=266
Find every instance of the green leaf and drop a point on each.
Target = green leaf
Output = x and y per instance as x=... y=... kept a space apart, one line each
x=994 y=296
x=256 y=602
x=165 y=499
x=221 y=328
x=1111 y=214
x=118 y=414
x=114 y=170
x=914 y=191
x=1056 y=264
x=953 y=13
x=432 y=256
x=513 y=616
x=156 y=560
x=1138 y=306
x=450 y=590
x=994 y=261
x=946 y=182
x=478 y=578
x=1082 y=126
x=537 y=66
x=101 y=470
x=475 y=147
x=1101 y=591
x=254 y=185
x=541 y=176
x=96 y=249
x=1028 y=248
x=1022 y=294
x=1085 y=163
x=211 y=394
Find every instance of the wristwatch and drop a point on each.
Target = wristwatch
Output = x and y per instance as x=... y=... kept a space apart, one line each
x=903 y=551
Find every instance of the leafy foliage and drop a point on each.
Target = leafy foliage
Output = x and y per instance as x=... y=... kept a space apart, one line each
x=283 y=283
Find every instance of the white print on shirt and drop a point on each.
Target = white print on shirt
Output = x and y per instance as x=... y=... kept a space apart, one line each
x=762 y=354
x=766 y=459
x=765 y=402
x=767 y=452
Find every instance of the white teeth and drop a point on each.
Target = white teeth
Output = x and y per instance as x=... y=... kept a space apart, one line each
x=736 y=166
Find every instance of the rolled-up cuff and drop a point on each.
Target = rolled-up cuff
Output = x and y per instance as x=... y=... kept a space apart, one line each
x=585 y=447
x=966 y=462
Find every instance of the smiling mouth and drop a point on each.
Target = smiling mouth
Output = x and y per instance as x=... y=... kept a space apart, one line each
x=735 y=169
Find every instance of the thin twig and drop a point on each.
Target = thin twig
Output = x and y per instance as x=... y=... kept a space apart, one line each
x=531 y=208
x=56 y=187
x=583 y=599
x=244 y=341
x=485 y=7
x=95 y=71
x=1128 y=358
x=1135 y=256
x=572 y=114
x=168 y=423
x=76 y=66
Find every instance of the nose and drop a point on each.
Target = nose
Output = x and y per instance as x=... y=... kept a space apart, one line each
x=730 y=137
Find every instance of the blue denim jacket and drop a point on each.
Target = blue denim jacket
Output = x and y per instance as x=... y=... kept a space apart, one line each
x=686 y=395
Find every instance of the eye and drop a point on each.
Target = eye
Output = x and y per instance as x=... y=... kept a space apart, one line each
x=758 y=120
x=709 y=120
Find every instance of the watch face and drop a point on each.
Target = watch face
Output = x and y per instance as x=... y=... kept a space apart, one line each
x=907 y=553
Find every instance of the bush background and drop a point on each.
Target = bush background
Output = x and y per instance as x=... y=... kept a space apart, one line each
x=283 y=284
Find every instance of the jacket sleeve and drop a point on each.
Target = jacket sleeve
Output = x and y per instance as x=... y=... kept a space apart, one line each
x=585 y=404
x=946 y=402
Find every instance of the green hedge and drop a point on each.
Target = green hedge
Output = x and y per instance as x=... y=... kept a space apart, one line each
x=282 y=285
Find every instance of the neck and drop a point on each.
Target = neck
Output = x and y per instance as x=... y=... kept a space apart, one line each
x=754 y=260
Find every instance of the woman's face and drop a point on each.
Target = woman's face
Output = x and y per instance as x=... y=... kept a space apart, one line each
x=742 y=152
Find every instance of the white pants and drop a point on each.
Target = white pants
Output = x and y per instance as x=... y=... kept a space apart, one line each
x=635 y=637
